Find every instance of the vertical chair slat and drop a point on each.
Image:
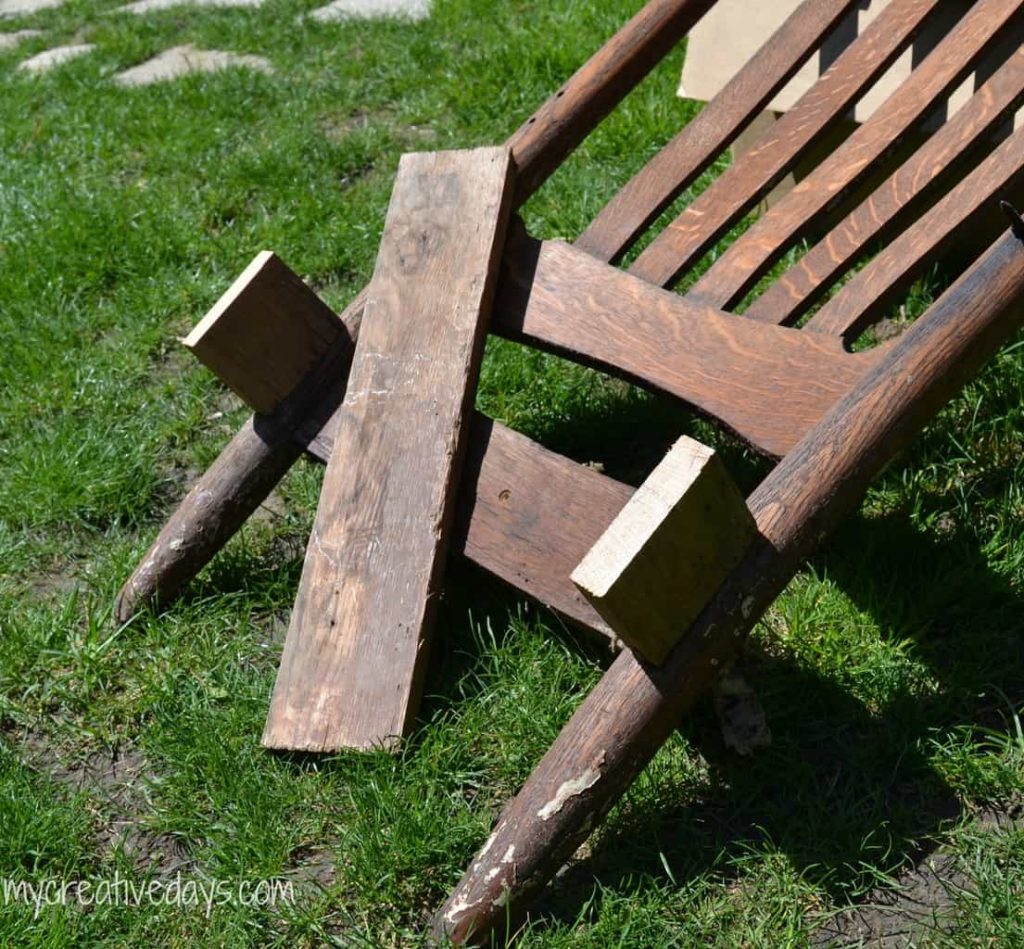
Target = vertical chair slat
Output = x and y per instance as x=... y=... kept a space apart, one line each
x=743 y=264
x=911 y=187
x=679 y=163
x=825 y=104
x=875 y=288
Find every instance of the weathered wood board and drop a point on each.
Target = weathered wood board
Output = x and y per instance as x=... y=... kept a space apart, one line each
x=669 y=549
x=355 y=653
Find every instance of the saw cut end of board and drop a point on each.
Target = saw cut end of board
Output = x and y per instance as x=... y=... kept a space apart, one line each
x=267 y=311
x=666 y=553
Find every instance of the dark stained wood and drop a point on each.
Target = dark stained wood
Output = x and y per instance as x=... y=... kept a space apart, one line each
x=626 y=718
x=743 y=264
x=679 y=163
x=556 y=297
x=353 y=660
x=900 y=198
x=886 y=278
x=721 y=365
x=749 y=178
x=668 y=550
x=544 y=140
x=538 y=147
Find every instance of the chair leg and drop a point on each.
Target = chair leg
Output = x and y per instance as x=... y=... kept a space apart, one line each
x=245 y=472
x=623 y=722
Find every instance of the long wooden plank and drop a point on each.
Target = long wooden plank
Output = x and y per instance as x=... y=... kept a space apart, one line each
x=877 y=287
x=353 y=659
x=620 y=726
x=746 y=261
x=743 y=184
x=679 y=163
x=913 y=186
x=561 y=299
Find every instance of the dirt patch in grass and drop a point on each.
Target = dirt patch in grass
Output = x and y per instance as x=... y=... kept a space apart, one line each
x=921 y=906
x=116 y=781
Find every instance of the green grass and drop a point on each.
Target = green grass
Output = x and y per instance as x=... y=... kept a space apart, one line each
x=890 y=670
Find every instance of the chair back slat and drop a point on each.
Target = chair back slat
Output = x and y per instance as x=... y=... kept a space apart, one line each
x=896 y=201
x=746 y=261
x=888 y=276
x=744 y=183
x=679 y=163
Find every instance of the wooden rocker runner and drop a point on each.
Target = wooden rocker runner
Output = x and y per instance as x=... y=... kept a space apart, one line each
x=681 y=569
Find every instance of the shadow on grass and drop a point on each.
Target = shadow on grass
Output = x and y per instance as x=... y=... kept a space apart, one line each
x=845 y=791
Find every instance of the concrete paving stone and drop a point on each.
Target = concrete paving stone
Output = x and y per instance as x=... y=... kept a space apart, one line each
x=182 y=60
x=23 y=7
x=51 y=58
x=366 y=9
x=10 y=40
x=151 y=6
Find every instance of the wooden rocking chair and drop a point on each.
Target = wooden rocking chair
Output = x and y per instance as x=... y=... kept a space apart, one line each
x=832 y=416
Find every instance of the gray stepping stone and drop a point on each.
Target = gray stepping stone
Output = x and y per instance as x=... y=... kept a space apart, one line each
x=10 y=40
x=51 y=58
x=21 y=7
x=182 y=60
x=366 y=9
x=151 y=6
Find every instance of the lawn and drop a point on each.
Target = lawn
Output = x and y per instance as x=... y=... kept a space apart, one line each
x=891 y=671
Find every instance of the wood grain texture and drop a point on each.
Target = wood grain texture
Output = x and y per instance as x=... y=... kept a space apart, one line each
x=886 y=278
x=626 y=718
x=769 y=388
x=746 y=261
x=679 y=163
x=900 y=198
x=668 y=550
x=267 y=310
x=355 y=652
x=741 y=186
x=544 y=140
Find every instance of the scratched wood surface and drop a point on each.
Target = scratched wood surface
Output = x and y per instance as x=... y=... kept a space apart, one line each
x=355 y=651
x=819 y=110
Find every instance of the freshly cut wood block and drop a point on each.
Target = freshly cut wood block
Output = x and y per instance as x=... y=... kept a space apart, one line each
x=355 y=653
x=265 y=333
x=667 y=552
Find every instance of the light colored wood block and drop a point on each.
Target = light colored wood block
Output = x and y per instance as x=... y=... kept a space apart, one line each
x=356 y=648
x=265 y=333
x=666 y=553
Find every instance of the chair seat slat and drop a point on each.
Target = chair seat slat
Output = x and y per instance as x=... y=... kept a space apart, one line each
x=877 y=287
x=679 y=163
